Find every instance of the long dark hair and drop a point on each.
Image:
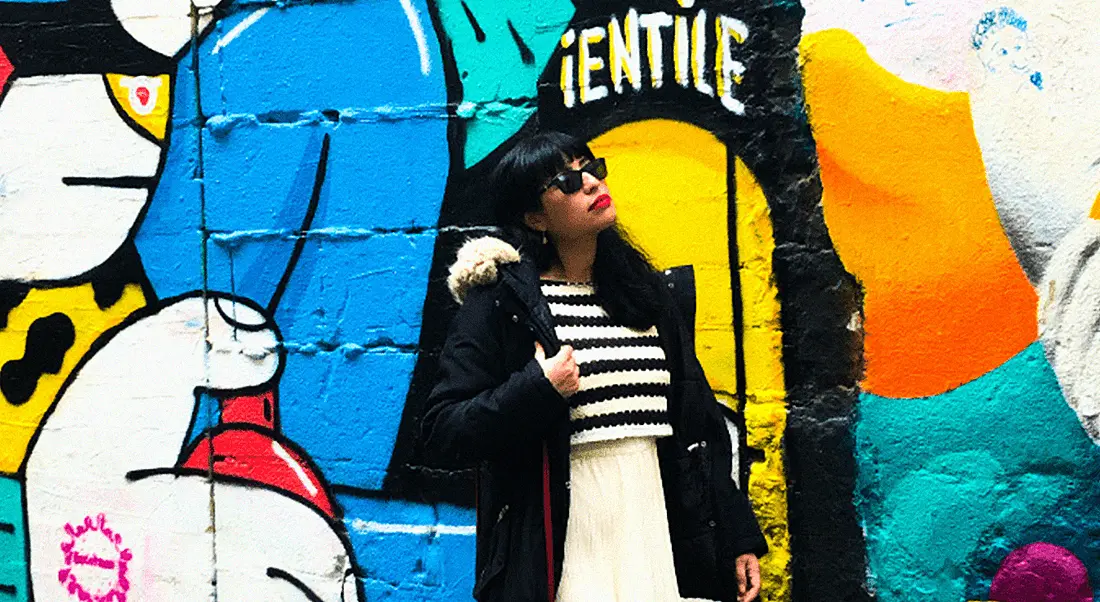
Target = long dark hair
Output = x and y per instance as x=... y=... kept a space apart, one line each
x=626 y=283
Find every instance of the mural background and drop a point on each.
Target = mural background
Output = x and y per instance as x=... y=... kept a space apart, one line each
x=225 y=226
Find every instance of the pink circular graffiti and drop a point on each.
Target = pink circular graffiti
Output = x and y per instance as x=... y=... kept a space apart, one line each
x=1042 y=572
x=95 y=562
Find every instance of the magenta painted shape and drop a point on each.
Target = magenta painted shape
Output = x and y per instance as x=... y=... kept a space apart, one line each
x=1041 y=572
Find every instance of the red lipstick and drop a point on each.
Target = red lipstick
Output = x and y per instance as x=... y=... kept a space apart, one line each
x=602 y=202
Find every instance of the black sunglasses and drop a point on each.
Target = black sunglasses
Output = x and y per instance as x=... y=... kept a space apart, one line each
x=572 y=180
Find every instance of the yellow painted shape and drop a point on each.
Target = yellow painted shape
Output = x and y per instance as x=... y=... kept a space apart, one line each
x=765 y=400
x=669 y=181
x=911 y=215
x=145 y=99
x=1094 y=213
x=18 y=423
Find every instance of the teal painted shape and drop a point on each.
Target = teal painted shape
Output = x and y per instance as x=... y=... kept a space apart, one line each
x=948 y=485
x=498 y=89
x=13 y=542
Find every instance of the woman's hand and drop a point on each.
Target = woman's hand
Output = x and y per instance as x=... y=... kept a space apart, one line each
x=748 y=577
x=561 y=370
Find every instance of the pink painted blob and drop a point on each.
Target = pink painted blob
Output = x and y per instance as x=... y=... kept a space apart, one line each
x=1041 y=572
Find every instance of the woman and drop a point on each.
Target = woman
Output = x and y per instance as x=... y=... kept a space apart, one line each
x=568 y=377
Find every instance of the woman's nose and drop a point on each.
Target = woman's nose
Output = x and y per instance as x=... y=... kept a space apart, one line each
x=591 y=182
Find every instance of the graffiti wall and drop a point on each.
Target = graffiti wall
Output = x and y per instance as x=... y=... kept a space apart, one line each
x=225 y=225
x=959 y=164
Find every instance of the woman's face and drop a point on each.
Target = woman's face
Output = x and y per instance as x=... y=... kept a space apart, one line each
x=584 y=213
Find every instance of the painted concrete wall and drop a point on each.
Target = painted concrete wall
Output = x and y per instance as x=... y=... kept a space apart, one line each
x=223 y=230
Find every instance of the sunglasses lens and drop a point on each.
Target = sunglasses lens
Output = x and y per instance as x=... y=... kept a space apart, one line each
x=597 y=168
x=570 y=181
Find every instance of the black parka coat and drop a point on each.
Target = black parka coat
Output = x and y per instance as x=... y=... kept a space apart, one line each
x=494 y=408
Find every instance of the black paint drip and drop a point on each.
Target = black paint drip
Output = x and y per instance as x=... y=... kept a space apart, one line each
x=479 y=33
x=11 y=295
x=525 y=53
x=48 y=339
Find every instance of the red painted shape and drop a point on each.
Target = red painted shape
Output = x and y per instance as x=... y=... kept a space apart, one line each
x=248 y=447
x=6 y=68
x=143 y=95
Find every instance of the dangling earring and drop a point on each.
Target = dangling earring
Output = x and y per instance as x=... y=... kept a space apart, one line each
x=544 y=238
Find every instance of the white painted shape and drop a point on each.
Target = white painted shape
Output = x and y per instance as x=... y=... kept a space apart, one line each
x=133 y=85
x=926 y=42
x=54 y=127
x=162 y=25
x=364 y=527
x=258 y=529
x=735 y=446
x=413 y=16
x=1069 y=311
x=239 y=28
x=297 y=468
x=129 y=408
x=1041 y=148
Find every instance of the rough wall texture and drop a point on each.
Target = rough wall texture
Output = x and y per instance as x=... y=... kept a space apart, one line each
x=223 y=229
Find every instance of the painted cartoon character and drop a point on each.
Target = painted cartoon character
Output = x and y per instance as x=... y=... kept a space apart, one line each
x=85 y=124
x=1001 y=41
x=116 y=507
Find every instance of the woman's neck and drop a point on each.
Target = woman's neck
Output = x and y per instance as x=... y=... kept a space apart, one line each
x=575 y=260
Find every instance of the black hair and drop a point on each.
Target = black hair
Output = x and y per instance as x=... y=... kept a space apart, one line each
x=626 y=283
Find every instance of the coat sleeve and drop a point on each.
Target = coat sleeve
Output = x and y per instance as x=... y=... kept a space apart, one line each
x=478 y=411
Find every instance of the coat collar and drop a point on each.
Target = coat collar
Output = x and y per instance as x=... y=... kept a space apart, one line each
x=488 y=261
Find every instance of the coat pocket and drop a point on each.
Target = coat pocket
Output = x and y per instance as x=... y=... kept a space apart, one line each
x=497 y=552
x=693 y=492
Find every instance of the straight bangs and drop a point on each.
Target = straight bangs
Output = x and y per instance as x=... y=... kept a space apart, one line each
x=527 y=167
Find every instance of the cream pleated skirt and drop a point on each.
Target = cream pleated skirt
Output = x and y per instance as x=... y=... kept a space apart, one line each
x=617 y=546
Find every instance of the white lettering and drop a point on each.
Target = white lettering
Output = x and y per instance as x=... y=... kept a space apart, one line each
x=588 y=63
x=653 y=22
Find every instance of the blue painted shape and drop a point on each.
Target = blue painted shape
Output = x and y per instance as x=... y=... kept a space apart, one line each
x=362 y=276
x=344 y=409
x=402 y=558
x=490 y=65
x=169 y=236
x=274 y=83
x=359 y=55
x=949 y=484
x=13 y=540
x=366 y=291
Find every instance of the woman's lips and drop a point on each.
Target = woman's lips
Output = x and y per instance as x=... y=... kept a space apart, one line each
x=602 y=202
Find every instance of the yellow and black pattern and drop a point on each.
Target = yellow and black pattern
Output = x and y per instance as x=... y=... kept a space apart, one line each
x=43 y=334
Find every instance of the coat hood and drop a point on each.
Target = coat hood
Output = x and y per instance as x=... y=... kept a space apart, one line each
x=476 y=264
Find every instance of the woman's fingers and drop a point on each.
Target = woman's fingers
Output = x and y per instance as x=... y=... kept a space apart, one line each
x=748 y=577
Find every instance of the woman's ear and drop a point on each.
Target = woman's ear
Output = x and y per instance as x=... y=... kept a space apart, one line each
x=535 y=220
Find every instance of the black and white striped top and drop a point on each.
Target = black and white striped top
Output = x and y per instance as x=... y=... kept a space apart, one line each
x=624 y=377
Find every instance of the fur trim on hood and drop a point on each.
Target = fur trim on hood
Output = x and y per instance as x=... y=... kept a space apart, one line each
x=476 y=264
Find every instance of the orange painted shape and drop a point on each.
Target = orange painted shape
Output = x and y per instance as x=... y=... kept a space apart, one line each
x=911 y=215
